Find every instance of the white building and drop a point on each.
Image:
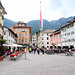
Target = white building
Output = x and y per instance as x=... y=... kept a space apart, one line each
x=9 y=35
x=45 y=41
x=2 y=13
x=30 y=44
x=68 y=34
x=34 y=40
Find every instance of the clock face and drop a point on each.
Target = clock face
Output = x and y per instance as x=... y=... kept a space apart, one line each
x=0 y=14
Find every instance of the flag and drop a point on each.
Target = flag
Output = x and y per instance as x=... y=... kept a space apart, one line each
x=41 y=21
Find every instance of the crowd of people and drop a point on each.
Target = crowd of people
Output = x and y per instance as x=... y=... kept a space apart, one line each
x=47 y=50
x=36 y=50
x=40 y=50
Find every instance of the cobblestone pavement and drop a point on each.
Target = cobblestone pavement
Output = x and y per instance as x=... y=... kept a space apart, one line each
x=57 y=64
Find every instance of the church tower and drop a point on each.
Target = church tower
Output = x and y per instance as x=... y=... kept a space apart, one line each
x=2 y=13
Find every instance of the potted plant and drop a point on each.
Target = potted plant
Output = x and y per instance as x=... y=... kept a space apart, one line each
x=1 y=58
x=1 y=54
x=2 y=49
x=53 y=44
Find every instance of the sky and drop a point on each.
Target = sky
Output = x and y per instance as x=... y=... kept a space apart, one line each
x=28 y=10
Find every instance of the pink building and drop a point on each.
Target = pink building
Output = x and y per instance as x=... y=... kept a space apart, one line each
x=55 y=37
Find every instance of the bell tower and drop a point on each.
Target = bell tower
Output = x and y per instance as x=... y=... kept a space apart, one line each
x=2 y=13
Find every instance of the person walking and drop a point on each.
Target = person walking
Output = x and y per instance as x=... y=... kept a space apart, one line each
x=38 y=51
x=42 y=50
x=25 y=51
x=34 y=50
x=30 y=50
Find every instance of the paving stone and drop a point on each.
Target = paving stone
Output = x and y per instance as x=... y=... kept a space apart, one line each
x=57 y=64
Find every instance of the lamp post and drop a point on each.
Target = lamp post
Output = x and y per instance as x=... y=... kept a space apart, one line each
x=25 y=51
x=41 y=36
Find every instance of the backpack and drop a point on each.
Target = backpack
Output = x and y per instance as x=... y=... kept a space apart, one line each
x=30 y=49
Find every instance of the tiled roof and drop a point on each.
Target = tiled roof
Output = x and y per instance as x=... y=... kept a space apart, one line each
x=10 y=31
x=22 y=26
x=67 y=25
x=15 y=25
x=55 y=32
x=49 y=31
x=20 y=22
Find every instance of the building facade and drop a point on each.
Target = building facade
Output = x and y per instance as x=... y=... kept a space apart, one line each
x=68 y=34
x=35 y=40
x=45 y=38
x=55 y=37
x=23 y=32
x=30 y=44
x=2 y=13
x=9 y=35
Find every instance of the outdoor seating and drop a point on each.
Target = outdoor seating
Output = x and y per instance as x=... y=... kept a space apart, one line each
x=19 y=53
x=15 y=55
x=8 y=52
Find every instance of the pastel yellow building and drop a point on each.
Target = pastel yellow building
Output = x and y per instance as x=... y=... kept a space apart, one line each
x=2 y=13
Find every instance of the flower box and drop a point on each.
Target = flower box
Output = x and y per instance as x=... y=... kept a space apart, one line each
x=1 y=58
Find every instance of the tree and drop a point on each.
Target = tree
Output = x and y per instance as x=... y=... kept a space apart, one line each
x=36 y=32
x=2 y=49
x=53 y=44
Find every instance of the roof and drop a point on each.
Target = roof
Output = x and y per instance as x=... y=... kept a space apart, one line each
x=56 y=32
x=49 y=31
x=2 y=7
x=21 y=22
x=11 y=28
x=11 y=31
x=34 y=35
x=67 y=24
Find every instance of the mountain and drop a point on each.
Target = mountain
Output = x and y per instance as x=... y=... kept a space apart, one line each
x=8 y=23
x=61 y=22
x=35 y=24
x=55 y=24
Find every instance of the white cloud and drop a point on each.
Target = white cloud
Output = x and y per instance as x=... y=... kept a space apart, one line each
x=27 y=10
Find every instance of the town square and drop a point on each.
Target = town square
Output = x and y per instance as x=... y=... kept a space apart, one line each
x=35 y=64
x=37 y=46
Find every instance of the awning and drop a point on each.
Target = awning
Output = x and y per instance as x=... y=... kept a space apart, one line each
x=6 y=45
x=16 y=45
